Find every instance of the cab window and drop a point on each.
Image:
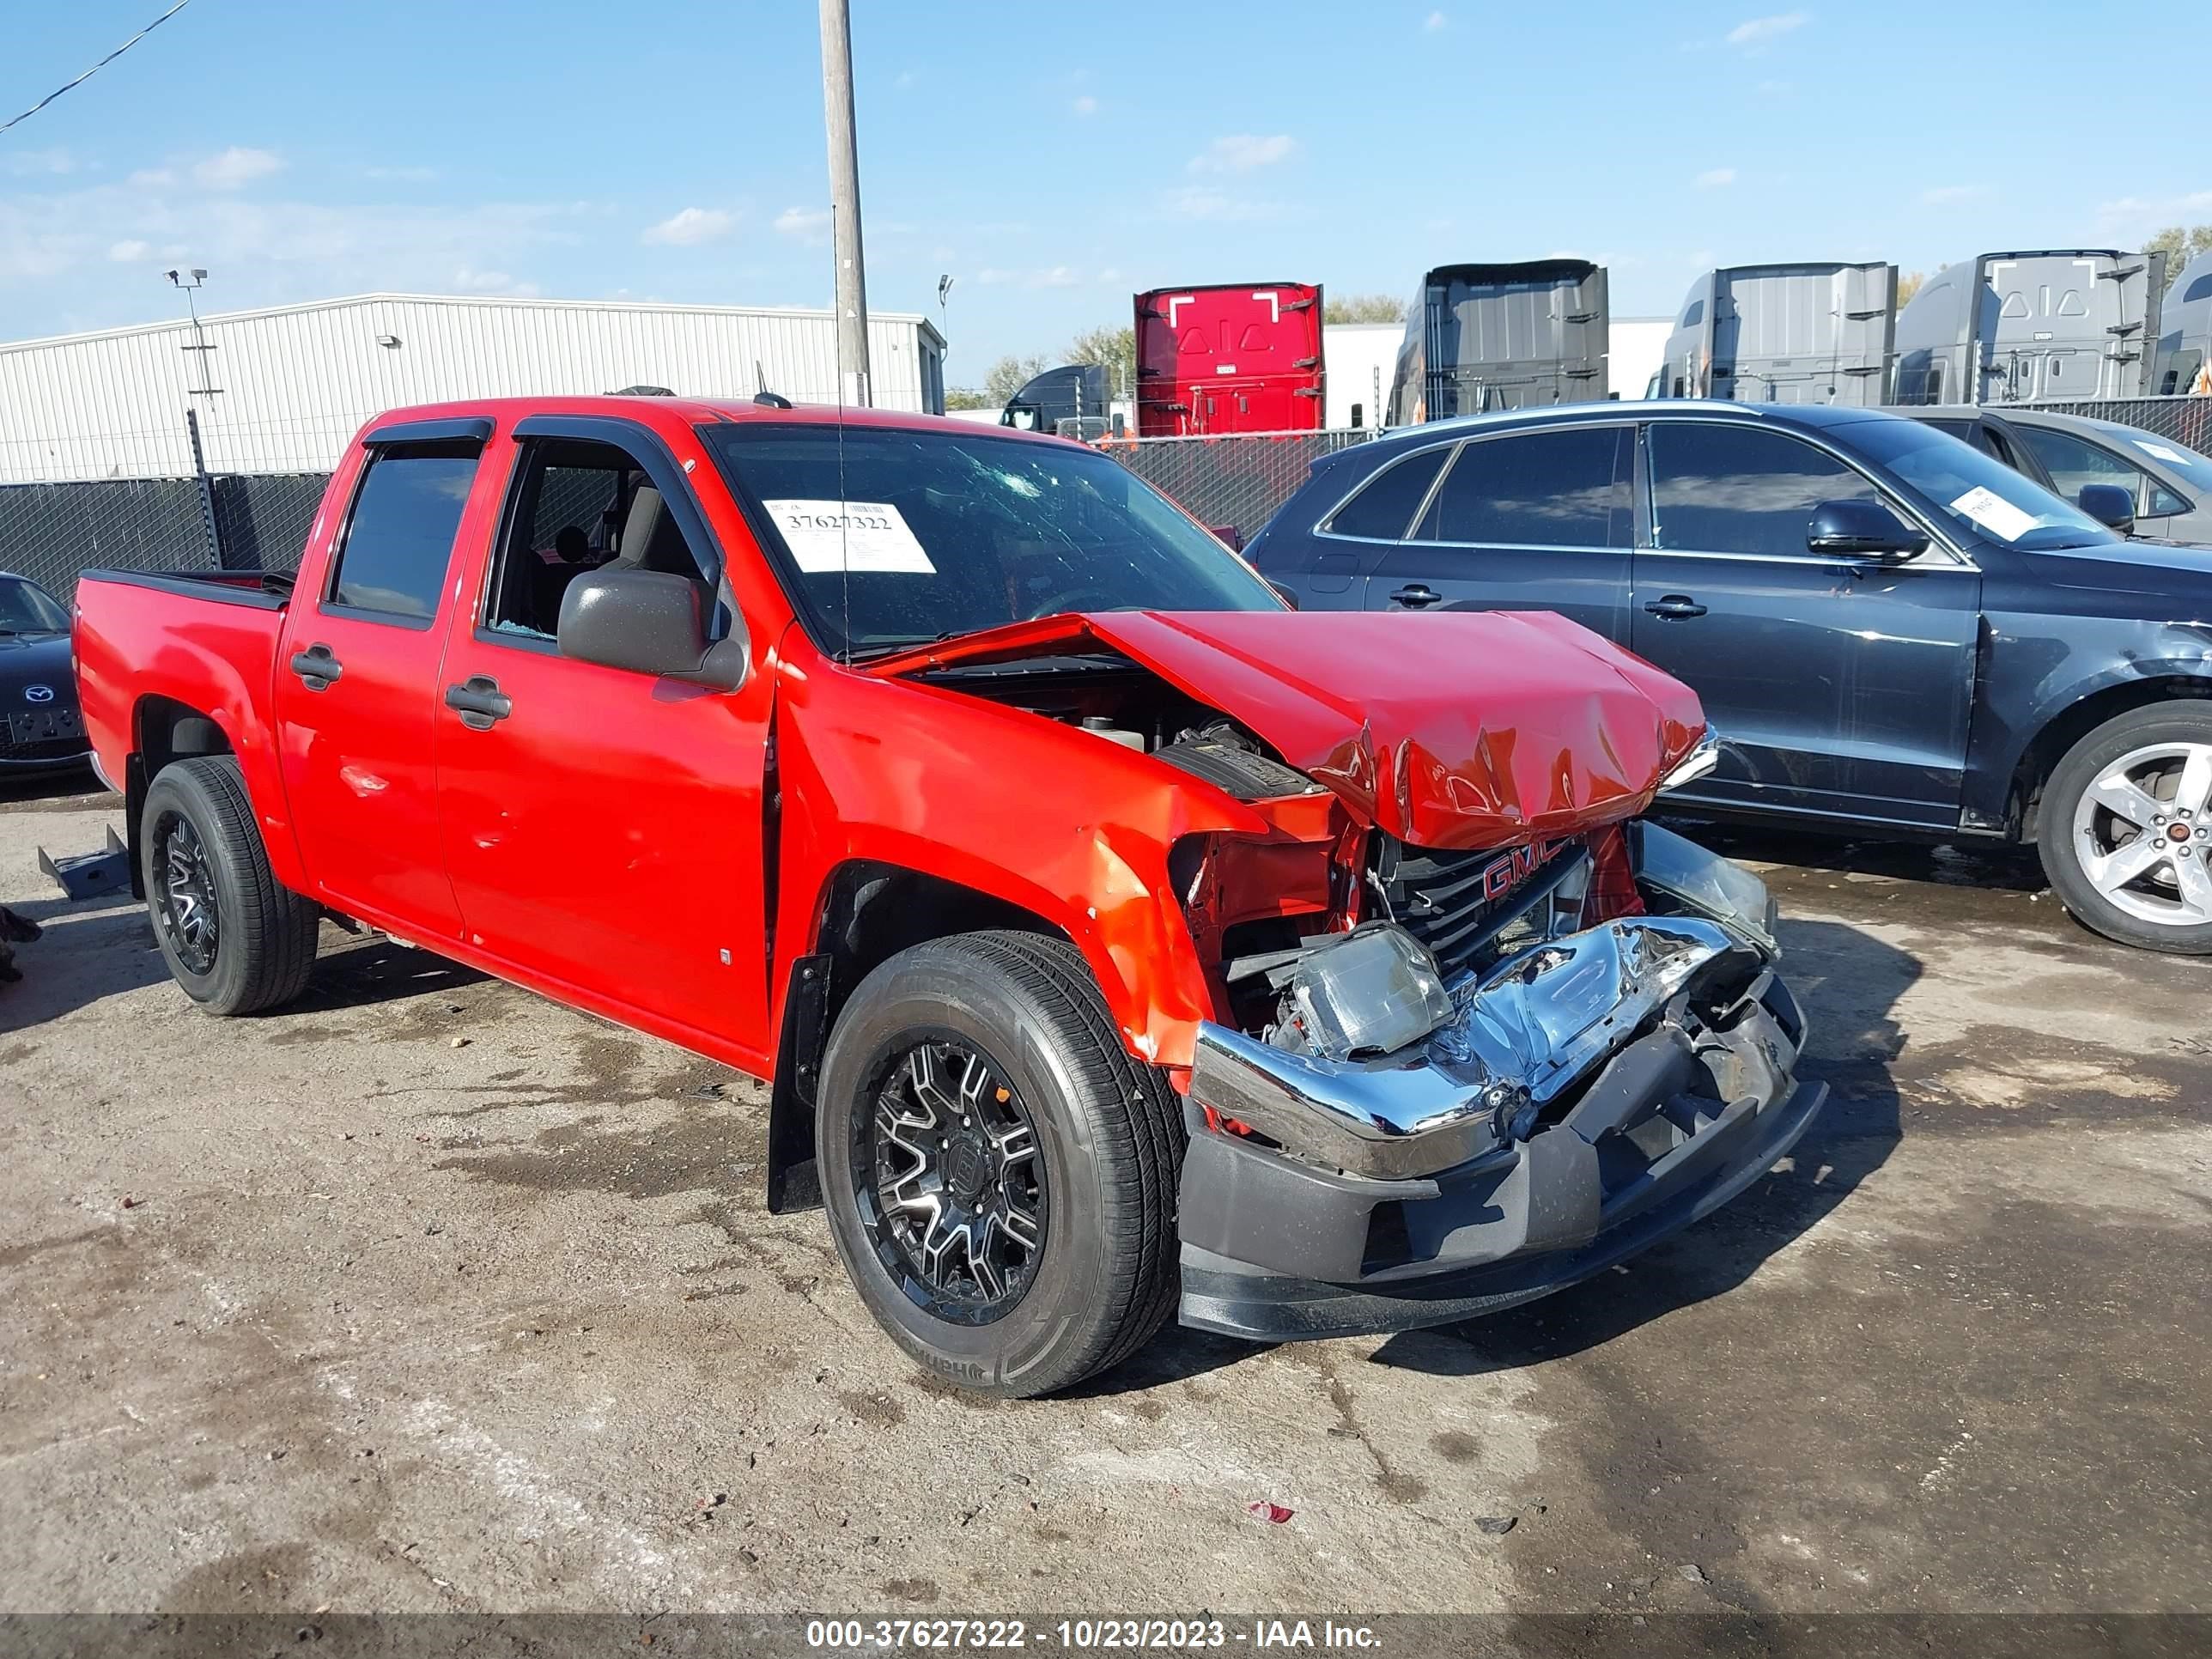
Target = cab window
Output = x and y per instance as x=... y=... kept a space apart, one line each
x=577 y=505
x=399 y=537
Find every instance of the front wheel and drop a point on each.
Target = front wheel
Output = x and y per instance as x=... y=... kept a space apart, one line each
x=2125 y=837
x=234 y=938
x=999 y=1175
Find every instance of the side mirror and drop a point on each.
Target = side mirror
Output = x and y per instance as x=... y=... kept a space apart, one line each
x=1861 y=529
x=650 y=623
x=1287 y=595
x=2112 y=506
x=1229 y=535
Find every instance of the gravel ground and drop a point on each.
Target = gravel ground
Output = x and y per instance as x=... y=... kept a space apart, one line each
x=430 y=1295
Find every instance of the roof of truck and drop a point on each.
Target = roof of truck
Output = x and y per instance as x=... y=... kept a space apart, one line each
x=655 y=411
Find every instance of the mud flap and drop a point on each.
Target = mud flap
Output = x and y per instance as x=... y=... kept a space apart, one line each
x=794 y=1184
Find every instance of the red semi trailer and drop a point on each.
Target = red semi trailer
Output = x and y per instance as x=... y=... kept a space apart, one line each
x=1236 y=357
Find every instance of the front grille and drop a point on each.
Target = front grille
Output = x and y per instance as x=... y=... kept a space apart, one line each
x=1470 y=909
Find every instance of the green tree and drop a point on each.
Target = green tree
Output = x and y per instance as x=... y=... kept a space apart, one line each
x=1364 y=308
x=2179 y=246
x=1116 y=349
x=969 y=397
x=1006 y=377
x=1908 y=284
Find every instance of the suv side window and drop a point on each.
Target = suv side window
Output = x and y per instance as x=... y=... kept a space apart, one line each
x=2073 y=461
x=1741 y=488
x=399 y=537
x=1384 y=509
x=1566 y=489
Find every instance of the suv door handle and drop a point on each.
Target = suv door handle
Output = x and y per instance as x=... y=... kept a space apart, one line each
x=480 y=701
x=316 y=667
x=1414 y=595
x=1676 y=607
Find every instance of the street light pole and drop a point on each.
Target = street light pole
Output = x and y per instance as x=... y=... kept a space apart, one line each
x=845 y=202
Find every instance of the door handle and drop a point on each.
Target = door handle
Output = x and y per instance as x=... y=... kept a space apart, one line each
x=1414 y=595
x=1676 y=607
x=480 y=701
x=316 y=667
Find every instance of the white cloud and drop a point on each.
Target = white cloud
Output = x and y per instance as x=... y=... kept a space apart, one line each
x=152 y=179
x=2164 y=209
x=1242 y=152
x=236 y=167
x=692 y=225
x=27 y=163
x=1111 y=274
x=906 y=78
x=1949 y=194
x=403 y=175
x=128 y=252
x=1085 y=104
x=807 y=225
x=1757 y=31
x=1715 y=178
x=1436 y=21
x=1202 y=202
x=1050 y=276
x=467 y=280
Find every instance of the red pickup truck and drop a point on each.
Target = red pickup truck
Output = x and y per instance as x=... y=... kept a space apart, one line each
x=1116 y=939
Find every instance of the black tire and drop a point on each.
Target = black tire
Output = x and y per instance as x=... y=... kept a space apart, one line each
x=1110 y=1142
x=264 y=944
x=2064 y=851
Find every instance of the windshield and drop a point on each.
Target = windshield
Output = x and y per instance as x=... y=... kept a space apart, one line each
x=908 y=537
x=25 y=609
x=1978 y=494
x=2177 y=458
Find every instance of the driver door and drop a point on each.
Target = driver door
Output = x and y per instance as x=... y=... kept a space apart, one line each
x=604 y=828
x=1840 y=687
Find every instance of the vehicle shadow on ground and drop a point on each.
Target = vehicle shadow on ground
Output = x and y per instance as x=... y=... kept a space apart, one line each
x=1848 y=982
x=361 y=974
x=88 y=949
x=1995 y=865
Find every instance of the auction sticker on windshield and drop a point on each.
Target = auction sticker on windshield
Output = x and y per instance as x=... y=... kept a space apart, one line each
x=1994 y=514
x=827 y=536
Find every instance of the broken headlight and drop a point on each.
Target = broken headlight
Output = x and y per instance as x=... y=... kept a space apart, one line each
x=1373 y=991
x=1703 y=883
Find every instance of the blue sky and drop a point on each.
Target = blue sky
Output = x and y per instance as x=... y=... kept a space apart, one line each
x=1052 y=158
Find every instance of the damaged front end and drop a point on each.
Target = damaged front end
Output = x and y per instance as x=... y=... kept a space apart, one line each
x=1488 y=1093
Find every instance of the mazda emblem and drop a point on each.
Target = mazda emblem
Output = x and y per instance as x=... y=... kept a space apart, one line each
x=38 y=694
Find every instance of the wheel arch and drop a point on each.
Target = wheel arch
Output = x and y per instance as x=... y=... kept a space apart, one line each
x=868 y=911
x=2068 y=726
x=163 y=731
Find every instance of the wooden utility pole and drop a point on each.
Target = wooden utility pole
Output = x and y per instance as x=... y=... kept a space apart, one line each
x=845 y=202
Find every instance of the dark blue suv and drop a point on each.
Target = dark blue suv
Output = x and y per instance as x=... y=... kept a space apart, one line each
x=1889 y=629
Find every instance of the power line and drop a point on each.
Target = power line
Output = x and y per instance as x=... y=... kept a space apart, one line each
x=101 y=66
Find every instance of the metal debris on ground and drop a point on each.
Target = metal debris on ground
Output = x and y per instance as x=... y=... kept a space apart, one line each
x=83 y=875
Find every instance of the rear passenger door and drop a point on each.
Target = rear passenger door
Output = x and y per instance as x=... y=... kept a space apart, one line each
x=357 y=678
x=1528 y=521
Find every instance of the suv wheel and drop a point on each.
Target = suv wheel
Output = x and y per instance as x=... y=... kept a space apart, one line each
x=236 y=941
x=2126 y=835
x=999 y=1175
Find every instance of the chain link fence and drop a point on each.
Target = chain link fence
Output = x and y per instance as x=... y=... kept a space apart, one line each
x=2183 y=420
x=50 y=532
x=1231 y=481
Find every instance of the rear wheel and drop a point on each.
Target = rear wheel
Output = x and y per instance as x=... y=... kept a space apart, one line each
x=999 y=1175
x=233 y=937
x=2127 y=827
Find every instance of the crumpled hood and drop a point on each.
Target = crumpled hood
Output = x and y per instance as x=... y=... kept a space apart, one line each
x=1461 y=729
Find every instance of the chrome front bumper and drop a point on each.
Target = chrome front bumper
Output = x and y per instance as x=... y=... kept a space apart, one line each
x=1519 y=1038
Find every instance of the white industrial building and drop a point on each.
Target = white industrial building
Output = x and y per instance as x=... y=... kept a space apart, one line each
x=291 y=384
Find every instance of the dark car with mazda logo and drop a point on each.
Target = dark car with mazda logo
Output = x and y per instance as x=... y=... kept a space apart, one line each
x=40 y=730
x=1890 y=629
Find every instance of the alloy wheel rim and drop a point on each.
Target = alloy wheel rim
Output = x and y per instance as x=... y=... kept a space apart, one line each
x=185 y=895
x=949 y=1182
x=2143 y=836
